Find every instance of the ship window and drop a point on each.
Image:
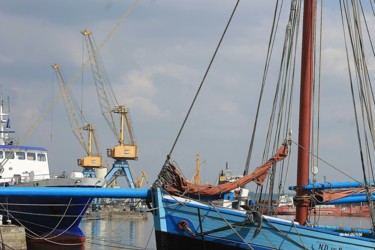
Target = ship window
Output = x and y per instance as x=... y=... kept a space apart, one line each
x=31 y=156
x=1 y=154
x=9 y=155
x=41 y=157
x=20 y=155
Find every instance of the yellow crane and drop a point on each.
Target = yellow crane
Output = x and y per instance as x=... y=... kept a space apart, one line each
x=139 y=181
x=127 y=148
x=91 y=160
x=77 y=74
x=198 y=165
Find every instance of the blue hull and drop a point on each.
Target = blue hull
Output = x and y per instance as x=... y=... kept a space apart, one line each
x=47 y=219
x=182 y=224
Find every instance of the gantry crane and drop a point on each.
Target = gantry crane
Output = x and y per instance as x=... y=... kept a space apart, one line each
x=127 y=148
x=91 y=160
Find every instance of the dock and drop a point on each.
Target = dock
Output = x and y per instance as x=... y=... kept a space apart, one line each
x=12 y=237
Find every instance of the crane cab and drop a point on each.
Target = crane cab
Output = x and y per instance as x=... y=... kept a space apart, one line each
x=90 y=161
x=123 y=152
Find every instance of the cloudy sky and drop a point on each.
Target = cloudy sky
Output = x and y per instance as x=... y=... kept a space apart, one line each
x=155 y=61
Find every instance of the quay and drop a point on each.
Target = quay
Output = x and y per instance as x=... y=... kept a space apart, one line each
x=12 y=237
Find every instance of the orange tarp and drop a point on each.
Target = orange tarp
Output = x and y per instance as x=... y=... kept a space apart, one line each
x=331 y=195
x=181 y=186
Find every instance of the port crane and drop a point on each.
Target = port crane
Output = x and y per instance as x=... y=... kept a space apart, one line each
x=139 y=181
x=198 y=165
x=91 y=160
x=127 y=148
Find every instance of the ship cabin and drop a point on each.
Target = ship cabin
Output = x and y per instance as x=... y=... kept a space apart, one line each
x=23 y=164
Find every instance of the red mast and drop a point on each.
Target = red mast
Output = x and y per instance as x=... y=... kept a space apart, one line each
x=307 y=71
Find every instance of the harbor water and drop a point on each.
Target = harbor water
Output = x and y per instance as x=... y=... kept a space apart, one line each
x=119 y=234
x=140 y=234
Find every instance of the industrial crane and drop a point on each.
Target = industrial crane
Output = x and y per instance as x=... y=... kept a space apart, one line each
x=198 y=165
x=139 y=181
x=127 y=148
x=91 y=160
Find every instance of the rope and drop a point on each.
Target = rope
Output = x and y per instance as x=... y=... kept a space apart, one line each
x=42 y=205
x=208 y=218
x=285 y=235
x=299 y=236
x=367 y=29
x=149 y=237
x=218 y=212
x=332 y=166
x=228 y=224
x=266 y=67
x=34 y=235
x=204 y=78
x=57 y=224
x=357 y=57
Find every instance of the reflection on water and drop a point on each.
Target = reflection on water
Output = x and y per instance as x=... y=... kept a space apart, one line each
x=117 y=233
x=140 y=234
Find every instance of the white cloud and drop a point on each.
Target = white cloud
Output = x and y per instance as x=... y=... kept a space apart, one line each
x=138 y=83
x=145 y=108
x=155 y=61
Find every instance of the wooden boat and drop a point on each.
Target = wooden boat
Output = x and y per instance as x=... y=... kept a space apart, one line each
x=186 y=218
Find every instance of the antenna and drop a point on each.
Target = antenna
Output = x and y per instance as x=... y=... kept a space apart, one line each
x=8 y=99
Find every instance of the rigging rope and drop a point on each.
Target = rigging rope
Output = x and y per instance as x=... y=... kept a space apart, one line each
x=356 y=35
x=204 y=78
x=275 y=23
x=231 y=227
x=367 y=29
x=33 y=235
x=280 y=118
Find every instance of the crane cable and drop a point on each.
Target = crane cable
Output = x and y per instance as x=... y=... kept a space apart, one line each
x=204 y=78
x=72 y=80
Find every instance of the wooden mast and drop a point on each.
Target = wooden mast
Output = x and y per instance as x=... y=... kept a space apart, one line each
x=307 y=72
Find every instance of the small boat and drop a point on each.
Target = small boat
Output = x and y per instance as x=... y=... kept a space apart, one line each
x=49 y=220
x=285 y=206
x=355 y=211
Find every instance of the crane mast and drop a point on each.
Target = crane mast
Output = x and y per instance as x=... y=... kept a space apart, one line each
x=91 y=160
x=198 y=165
x=124 y=151
x=139 y=181
x=127 y=148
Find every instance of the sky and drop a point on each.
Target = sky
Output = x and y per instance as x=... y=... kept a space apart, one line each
x=155 y=61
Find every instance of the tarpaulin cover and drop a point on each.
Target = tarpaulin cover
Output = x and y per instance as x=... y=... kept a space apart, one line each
x=172 y=180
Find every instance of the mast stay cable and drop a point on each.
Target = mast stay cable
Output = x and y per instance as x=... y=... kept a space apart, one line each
x=203 y=80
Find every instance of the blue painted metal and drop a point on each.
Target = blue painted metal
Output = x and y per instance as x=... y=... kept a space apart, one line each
x=89 y=173
x=333 y=185
x=120 y=168
x=205 y=223
x=141 y=193
x=349 y=199
x=345 y=229
x=22 y=147
x=160 y=223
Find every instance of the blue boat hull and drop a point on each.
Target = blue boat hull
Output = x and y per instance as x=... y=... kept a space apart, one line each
x=47 y=219
x=181 y=223
x=169 y=241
